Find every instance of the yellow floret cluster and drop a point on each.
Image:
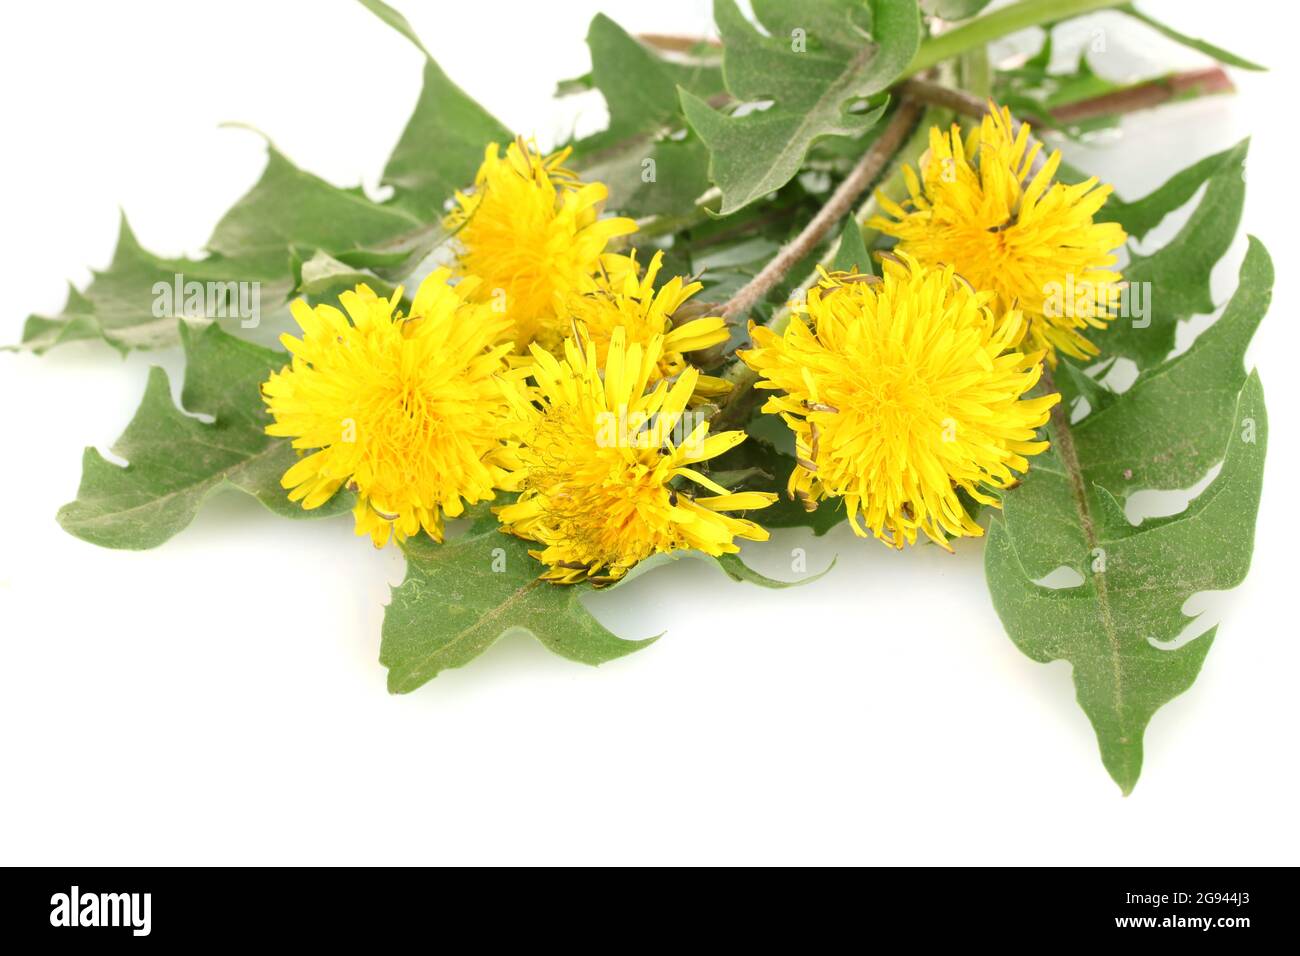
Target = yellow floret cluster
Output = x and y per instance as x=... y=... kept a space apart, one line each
x=549 y=372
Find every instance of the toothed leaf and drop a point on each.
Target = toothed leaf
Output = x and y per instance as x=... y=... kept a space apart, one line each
x=1122 y=627
x=176 y=461
x=815 y=66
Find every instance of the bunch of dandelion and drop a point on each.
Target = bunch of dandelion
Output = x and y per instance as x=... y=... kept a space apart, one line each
x=531 y=233
x=624 y=299
x=984 y=208
x=407 y=411
x=900 y=392
x=605 y=464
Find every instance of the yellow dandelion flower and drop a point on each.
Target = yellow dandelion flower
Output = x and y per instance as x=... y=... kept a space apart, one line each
x=900 y=391
x=605 y=470
x=532 y=233
x=624 y=299
x=981 y=207
x=407 y=410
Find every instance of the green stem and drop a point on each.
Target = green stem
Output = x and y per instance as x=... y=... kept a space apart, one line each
x=892 y=184
x=1009 y=19
x=976 y=73
x=740 y=403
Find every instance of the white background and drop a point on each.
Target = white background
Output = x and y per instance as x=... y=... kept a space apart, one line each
x=219 y=699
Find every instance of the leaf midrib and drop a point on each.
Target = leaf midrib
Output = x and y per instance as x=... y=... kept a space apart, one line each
x=202 y=485
x=415 y=673
x=1068 y=455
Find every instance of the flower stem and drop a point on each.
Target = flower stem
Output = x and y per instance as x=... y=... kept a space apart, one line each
x=740 y=402
x=840 y=202
x=1141 y=96
x=945 y=97
x=976 y=72
x=1129 y=99
x=992 y=26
